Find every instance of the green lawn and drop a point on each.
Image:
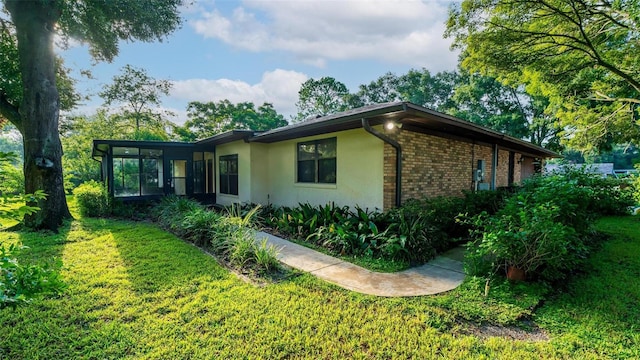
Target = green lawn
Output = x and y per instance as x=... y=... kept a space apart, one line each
x=136 y=291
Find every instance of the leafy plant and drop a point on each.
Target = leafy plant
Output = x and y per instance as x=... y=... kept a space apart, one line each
x=92 y=199
x=19 y=283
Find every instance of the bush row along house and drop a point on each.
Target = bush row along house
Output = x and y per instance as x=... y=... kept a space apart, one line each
x=375 y=157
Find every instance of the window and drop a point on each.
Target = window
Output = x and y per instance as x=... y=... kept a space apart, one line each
x=317 y=161
x=229 y=174
x=203 y=172
x=137 y=171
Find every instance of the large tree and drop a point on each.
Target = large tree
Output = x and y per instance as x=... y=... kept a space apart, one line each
x=322 y=97
x=34 y=108
x=211 y=118
x=584 y=55
x=138 y=95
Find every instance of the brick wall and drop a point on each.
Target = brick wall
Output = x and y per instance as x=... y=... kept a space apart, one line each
x=434 y=166
x=502 y=170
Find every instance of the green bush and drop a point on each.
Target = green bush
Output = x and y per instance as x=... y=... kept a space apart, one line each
x=92 y=199
x=20 y=284
x=634 y=188
x=545 y=228
x=530 y=239
x=11 y=178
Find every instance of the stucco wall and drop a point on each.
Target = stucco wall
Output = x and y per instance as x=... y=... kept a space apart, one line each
x=359 y=177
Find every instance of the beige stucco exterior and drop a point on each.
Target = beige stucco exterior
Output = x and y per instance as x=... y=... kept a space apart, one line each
x=432 y=166
x=359 y=174
x=267 y=172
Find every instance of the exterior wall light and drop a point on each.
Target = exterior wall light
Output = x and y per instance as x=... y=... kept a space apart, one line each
x=391 y=125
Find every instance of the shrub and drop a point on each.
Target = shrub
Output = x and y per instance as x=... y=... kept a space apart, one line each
x=19 y=283
x=546 y=227
x=529 y=239
x=92 y=199
x=229 y=235
x=197 y=225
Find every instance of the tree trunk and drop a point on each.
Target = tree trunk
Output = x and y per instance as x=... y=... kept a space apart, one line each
x=39 y=109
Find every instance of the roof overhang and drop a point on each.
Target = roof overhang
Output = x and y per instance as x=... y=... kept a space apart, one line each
x=101 y=147
x=227 y=137
x=412 y=117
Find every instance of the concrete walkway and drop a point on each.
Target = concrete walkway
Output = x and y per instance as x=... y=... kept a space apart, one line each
x=441 y=274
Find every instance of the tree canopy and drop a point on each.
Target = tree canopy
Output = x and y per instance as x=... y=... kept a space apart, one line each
x=137 y=96
x=322 y=97
x=211 y=118
x=29 y=90
x=581 y=54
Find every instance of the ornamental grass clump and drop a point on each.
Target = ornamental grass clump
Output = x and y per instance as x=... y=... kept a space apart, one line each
x=229 y=234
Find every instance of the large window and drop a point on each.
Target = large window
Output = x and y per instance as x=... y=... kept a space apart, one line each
x=317 y=161
x=203 y=172
x=137 y=171
x=229 y=174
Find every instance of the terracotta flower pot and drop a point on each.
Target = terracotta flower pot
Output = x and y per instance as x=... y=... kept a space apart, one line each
x=515 y=274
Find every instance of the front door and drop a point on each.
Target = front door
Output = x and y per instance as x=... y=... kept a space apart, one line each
x=176 y=177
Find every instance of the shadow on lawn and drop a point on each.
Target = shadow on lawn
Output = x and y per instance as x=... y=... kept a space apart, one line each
x=156 y=259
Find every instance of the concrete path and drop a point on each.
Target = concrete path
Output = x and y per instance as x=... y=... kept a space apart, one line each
x=441 y=274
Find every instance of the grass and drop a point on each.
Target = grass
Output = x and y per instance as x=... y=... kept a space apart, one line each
x=136 y=291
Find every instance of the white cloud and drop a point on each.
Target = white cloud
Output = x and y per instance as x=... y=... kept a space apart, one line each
x=402 y=32
x=279 y=87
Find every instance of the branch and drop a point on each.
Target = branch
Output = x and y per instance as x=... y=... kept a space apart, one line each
x=603 y=97
x=10 y=111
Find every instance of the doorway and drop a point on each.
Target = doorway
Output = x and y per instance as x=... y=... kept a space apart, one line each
x=178 y=176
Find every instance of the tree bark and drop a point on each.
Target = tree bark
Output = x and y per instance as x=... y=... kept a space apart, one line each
x=40 y=109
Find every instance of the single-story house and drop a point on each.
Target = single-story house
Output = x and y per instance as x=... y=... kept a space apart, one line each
x=376 y=157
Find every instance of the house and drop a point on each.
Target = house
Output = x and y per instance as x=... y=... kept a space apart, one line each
x=602 y=169
x=376 y=157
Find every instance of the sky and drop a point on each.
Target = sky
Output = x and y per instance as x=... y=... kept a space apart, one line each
x=262 y=51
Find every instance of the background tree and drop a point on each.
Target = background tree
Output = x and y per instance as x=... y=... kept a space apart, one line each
x=77 y=135
x=582 y=55
x=137 y=97
x=384 y=89
x=211 y=118
x=322 y=97
x=30 y=98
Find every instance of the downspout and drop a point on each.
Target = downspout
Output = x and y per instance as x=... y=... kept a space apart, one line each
x=367 y=127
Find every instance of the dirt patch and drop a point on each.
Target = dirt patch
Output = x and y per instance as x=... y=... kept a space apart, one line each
x=528 y=331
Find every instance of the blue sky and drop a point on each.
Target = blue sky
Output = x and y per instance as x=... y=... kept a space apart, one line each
x=261 y=51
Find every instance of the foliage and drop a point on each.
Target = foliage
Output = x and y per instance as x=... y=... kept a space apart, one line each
x=20 y=284
x=582 y=55
x=546 y=228
x=137 y=96
x=132 y=286
x=93 y=199
x=530 y=239
x=433 y=91
x=322 y=97
x=211 y=118
x=30 y=92
x=14 y=204
x=470 y=96
x=228 y=235
x=415 y=232
x=11 y=176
